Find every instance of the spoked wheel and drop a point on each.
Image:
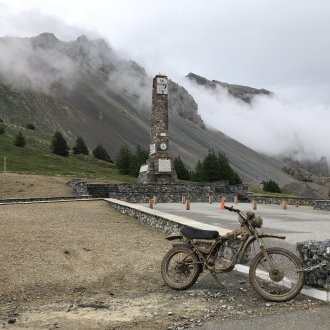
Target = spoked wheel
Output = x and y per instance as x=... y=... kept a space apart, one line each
x=180 y=268
x=278 y=284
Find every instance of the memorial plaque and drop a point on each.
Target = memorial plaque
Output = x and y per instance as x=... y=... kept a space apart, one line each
x=152 y=149
x=161 y=86
x=164 y=165
x=144 y=168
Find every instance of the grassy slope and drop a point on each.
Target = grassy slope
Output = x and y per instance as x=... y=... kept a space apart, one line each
x=40 y=160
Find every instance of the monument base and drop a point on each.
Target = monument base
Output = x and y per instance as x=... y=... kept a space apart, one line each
x=150 y=173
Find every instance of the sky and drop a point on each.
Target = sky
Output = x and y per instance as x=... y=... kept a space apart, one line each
x=282 y=46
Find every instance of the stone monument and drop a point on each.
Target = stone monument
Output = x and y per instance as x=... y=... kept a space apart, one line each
x=159 y=167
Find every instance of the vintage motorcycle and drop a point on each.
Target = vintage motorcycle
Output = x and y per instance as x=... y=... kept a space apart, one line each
x=275 y=273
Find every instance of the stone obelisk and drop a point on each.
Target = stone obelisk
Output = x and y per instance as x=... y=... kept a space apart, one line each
x=159 y=167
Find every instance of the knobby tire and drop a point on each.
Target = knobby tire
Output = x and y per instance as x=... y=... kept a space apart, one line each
x=180 y=268
x=282 y=284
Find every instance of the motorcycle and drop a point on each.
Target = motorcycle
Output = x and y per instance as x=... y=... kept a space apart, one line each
x=275 y=273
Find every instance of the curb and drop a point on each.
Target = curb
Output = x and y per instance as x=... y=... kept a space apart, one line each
x=46 y=200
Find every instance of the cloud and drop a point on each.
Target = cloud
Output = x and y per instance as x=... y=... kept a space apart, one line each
x=27 y=65
x=270 y=125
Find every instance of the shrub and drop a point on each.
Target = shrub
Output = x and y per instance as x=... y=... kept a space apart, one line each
x=20 y=140
x=2 y=130
x=30 y=126
x=100 y=153
x=59 y=145
x=80 y=147
x=271 y=186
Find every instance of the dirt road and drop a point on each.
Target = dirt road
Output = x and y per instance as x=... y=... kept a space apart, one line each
x=82 y=265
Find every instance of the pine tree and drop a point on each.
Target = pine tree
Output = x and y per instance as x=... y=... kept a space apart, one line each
x=123 y=160
x=20 y=140
x=136 y=160
x=210 y=167
x=100 y=153
x=59 y=145
x=197 y=174
x=181 y=171
x=80 y=147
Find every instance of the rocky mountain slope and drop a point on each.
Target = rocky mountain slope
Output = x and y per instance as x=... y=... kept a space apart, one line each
x=244 y=93
x=84 y=89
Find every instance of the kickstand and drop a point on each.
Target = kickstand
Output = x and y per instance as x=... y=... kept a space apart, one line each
x=217 y=280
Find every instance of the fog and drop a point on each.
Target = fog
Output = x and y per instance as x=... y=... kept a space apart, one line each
x=36 y=68
x=270 y=124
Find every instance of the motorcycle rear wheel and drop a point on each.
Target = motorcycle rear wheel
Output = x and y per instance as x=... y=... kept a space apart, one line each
x=280 y=284
x=180 y=268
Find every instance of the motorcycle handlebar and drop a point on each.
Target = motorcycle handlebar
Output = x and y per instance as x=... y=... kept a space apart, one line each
x=231 y=209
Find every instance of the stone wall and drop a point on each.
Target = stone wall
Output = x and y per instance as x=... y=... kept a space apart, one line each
x=165 y=193
x=279 y=200
x=165 y=225
x=322 y=205
x=312 y=254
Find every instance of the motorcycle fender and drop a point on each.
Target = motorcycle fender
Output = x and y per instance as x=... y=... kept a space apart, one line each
x=263 y=235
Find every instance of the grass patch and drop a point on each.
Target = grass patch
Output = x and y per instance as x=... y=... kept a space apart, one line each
x=33 y=159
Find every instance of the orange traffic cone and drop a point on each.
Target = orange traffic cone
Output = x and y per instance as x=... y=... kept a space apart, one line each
x=222 y=203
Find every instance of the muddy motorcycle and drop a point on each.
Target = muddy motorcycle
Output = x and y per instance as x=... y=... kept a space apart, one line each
x=275 y=273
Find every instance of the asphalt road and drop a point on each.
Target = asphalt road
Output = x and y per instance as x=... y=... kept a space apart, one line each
x=296 y=223
x=311 y=319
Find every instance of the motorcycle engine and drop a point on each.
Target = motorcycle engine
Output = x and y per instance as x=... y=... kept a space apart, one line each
x=229 y=249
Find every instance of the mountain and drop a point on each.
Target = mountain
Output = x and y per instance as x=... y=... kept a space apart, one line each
x=83 y=88
x=243 y=93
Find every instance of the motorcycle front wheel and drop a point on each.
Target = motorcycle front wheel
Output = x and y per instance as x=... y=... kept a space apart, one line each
x=180 y=268
x=278 y=284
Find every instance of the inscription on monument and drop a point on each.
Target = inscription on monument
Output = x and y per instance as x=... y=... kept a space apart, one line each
x=161 y=86
x=164 y=165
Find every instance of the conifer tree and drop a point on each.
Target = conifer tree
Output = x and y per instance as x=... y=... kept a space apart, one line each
x=100 y=153
x=123 y=160
x=59 y=145
x=80 y=147
x=136 y=160
x=181 y=171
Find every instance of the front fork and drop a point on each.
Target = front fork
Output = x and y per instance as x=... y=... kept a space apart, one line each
x=264 y=252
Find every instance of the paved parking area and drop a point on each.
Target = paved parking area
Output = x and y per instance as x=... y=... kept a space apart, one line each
x=296 y=223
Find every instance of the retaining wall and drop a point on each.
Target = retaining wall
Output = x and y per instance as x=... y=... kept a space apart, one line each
x=165 y=193
x=322 y=205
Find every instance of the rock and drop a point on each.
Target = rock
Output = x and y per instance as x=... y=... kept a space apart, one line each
x=11 y=321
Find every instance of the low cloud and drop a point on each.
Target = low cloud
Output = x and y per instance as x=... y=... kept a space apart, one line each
x=25 y=65
x=270 y=125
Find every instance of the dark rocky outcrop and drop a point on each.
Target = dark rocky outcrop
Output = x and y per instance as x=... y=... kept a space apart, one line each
x=240 y=92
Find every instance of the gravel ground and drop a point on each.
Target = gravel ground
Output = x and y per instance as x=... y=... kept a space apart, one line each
x=23 y=186
x=82 y=265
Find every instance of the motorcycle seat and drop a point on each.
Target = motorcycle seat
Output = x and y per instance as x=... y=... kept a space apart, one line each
x=193 y=233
